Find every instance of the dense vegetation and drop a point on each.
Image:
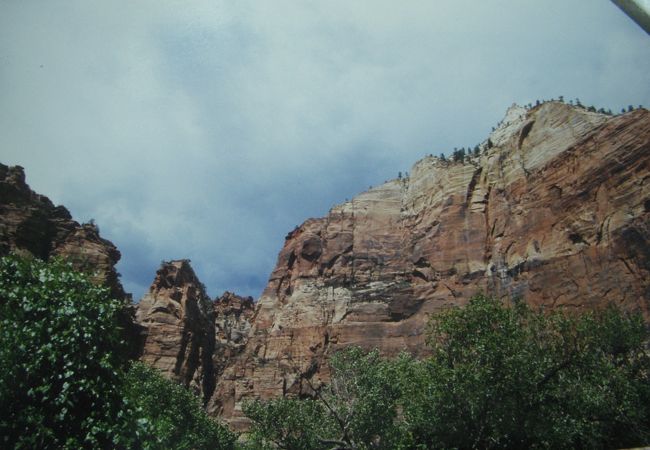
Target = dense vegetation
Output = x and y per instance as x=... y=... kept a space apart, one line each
x=66 y=381
x=498 y=377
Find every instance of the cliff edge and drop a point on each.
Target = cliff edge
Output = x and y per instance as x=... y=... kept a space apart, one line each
x=555 y=211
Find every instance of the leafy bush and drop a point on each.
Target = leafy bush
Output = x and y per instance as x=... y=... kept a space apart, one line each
x=288 y=423
x=356 y=410
x=64 y=381
x=514 y=378
x=171 y=415
x=62 y=359
x=498 y=377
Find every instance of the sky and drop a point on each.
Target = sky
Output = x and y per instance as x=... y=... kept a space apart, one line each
x=209 y=129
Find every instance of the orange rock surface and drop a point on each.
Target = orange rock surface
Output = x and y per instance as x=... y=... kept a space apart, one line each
x=178 y=321
x=555 y=211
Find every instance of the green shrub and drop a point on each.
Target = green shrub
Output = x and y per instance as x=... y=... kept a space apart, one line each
x=64 y=382
x=357 y=409
x=171 y=415
x=62 y=360
x=498 y=377
x=510 y=377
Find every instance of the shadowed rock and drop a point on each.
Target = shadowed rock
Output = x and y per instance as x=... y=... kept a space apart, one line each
x=30 y=225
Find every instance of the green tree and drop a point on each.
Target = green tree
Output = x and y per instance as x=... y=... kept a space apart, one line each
x=294 y=424
x=170 y=415
x=509 y=377
x=62 y=358
x=65 y=381
x=356 y=410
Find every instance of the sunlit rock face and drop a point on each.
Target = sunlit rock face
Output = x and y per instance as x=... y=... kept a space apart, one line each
x=554 y=211
x=178 y=321
x=30 y=225
x=187 y=336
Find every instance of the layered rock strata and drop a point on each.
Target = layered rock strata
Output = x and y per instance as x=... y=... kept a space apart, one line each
x=555 y=210
x=30 y=224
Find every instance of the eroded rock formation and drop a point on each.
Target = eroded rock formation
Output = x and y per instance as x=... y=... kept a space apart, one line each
x=187 y=336
x=555 y=210
x=233 y=315
x=178 y=320
x=31 y=225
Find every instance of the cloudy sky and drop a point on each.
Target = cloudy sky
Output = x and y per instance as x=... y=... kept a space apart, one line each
x=209 y=129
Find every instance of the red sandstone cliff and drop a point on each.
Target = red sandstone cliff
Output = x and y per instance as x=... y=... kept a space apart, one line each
x=556 y=211
x=233 y=319
x=31 y=225
x=188 y=337
x=178 y=321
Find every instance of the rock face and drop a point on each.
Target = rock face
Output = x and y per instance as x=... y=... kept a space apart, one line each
x=178 y=321
x=555 y=210
x=232 y=318
x=186 y=336
x=31 y=225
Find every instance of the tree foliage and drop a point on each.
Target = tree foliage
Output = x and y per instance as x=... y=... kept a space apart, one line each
x=170 y=415
x=498 y=377
x=64 y=381
x=357 y=409
x=62 y=358
x=509 y=377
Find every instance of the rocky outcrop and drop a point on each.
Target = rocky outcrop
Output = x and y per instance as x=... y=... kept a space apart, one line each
x=232 y=318
x=31 y=225
x=555 y=210
x=178 y=321
x=186 y=336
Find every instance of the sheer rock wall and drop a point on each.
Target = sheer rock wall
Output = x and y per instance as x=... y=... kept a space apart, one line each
x=186 y=335
x=555 y=211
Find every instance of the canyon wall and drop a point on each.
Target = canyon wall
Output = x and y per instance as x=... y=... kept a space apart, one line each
x=554 y=210
x=30 y=225
x=187 y=336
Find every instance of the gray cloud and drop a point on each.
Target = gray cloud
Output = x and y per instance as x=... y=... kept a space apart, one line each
x=209 y=129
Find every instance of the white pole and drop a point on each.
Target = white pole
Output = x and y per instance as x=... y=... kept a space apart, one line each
x=638 y=10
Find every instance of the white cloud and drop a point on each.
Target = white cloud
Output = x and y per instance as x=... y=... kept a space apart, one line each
x=208 y=129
